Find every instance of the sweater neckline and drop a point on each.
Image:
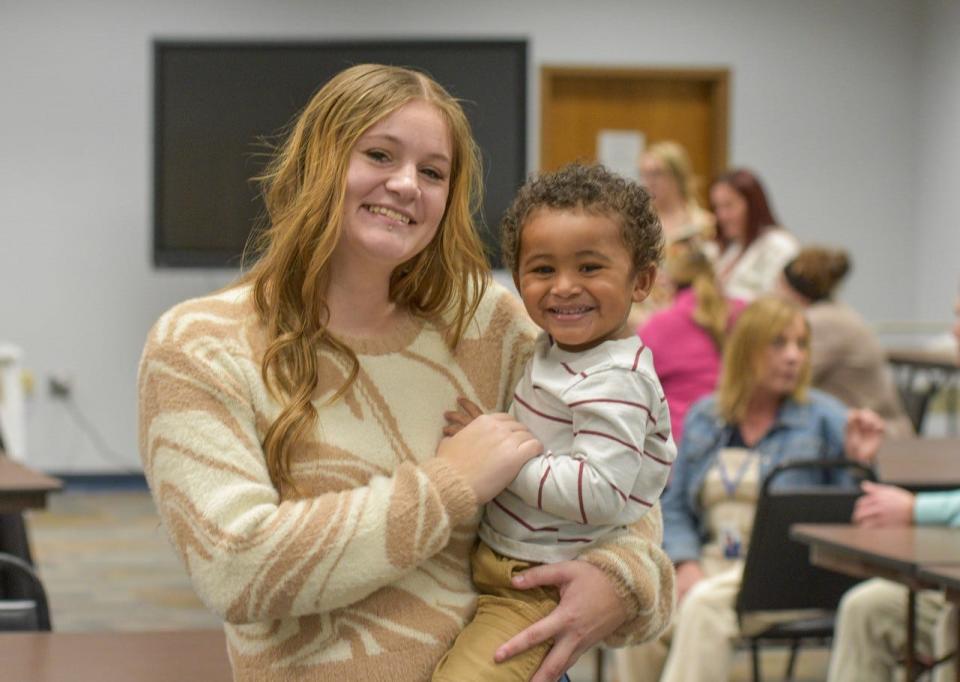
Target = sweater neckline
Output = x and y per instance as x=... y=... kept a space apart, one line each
x=402 y=335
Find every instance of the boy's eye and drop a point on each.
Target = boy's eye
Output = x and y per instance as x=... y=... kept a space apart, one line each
x=590 y=267
x=541 y=270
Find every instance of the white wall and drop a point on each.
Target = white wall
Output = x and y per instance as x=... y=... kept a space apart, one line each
x=825 y=102
x=937 y=138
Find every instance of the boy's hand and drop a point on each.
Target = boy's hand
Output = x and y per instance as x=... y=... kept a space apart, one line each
x=457 y=420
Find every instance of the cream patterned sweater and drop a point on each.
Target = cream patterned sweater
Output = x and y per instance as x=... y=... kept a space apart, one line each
x=364 y=574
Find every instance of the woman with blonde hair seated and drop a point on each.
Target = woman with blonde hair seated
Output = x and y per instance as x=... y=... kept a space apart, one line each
x=687 y=337
x=666 y=171
x=846 y=359
x=763 y=412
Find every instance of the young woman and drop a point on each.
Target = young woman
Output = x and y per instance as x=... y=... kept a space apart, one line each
x=753 y=248
x=666 y=171
x=290 y=425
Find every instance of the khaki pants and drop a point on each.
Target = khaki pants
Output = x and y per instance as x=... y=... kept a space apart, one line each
x=698 y=646
x=871 y=632
x=502 y=612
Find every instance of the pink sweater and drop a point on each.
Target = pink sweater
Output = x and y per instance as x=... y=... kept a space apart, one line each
x=684 y=356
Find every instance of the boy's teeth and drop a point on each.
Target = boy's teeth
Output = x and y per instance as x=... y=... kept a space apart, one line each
x=393 y=215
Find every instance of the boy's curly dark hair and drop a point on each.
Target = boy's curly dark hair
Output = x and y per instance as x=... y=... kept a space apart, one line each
x=594 y=189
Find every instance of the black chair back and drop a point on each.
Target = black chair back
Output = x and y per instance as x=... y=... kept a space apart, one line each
x=27 y=612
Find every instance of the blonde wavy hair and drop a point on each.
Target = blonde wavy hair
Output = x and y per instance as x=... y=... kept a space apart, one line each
x=757 y=327
x=674 y=157
x=303 y=188
x=687 y=265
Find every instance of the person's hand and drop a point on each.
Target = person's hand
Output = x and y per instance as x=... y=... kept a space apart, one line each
x=863 y=435
x=588 y=611
x=883 y=505
x=689 y=573
x=488 y=452
x=457 y=419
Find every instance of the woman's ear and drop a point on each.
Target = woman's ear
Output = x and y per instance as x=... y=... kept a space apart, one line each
x=643 y=282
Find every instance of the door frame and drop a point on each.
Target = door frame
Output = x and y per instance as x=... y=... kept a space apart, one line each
x=717 y=81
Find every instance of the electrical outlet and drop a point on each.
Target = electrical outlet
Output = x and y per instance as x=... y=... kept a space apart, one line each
x=61 y=387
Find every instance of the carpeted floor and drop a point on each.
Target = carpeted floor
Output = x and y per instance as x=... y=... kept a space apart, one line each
x=107 y=565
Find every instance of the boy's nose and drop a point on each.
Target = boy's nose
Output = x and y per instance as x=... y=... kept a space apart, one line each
x=565 y=284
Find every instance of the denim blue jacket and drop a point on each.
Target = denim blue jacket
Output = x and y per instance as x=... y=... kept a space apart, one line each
x=813 y=429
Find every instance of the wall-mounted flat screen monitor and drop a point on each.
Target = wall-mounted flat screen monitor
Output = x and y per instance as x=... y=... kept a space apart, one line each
x=215 y=103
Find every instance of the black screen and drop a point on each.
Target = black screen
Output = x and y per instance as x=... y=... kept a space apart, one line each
x=215 y=103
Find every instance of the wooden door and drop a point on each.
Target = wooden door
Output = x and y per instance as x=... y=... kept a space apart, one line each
x=688 y=106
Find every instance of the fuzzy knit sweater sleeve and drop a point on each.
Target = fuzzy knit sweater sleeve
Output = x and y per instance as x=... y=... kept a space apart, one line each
x=643 y=577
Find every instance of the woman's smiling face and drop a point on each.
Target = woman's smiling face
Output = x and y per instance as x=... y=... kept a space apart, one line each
x=397 y=184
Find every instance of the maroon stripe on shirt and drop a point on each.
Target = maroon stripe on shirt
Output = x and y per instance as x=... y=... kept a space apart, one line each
x=614 y=400
x=543 y=480
x=521 y=521
x=624 y=444
x=630 y=497
x=583 y=512
x=567 y=367
x=636 y=359
x=539 y=413
x=657 y=459
x=574 y=540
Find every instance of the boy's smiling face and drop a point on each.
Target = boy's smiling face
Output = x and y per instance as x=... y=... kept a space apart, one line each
x=576 y=277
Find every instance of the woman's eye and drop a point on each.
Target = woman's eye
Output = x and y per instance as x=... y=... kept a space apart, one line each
x=377 y=155
x=433 y=173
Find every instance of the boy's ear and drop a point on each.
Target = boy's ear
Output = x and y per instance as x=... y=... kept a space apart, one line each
x=643 y=283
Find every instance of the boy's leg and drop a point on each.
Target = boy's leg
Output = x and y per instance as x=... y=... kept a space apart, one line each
x=502 y=612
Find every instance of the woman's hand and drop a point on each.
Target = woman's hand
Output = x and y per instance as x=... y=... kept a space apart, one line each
x=883 y=505
x=488 y=452
x=864 y=435
x=689 y=573
x=457 y=419
x=588 y=611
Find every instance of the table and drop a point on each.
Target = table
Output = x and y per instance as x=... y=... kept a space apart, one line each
x=23 y=488
x=920 y=463
x=894 y=553
x=947 y=577
x=115 y=656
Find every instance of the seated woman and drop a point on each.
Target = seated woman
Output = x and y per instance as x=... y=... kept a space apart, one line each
x=687 y=337
x=846 y=359
x=665 y=170
x=762 y=414
x=753 y=248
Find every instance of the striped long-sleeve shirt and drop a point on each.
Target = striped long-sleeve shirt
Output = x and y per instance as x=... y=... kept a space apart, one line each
x=605 y=428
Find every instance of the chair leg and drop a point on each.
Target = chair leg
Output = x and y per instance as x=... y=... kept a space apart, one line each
x=792 y=661
x=755 y=654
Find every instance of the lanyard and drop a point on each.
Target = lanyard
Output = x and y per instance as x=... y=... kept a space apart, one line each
x=730 y=485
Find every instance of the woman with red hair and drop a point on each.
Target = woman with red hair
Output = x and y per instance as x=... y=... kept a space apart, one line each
x=753 y=247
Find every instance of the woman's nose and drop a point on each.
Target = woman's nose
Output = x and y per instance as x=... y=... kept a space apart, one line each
x=404 y=181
